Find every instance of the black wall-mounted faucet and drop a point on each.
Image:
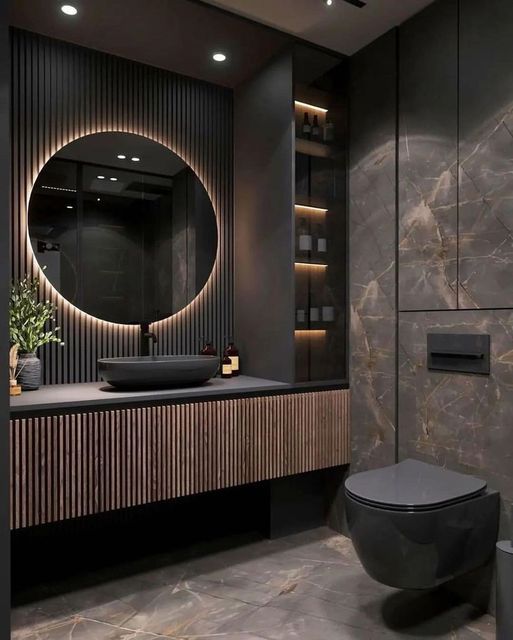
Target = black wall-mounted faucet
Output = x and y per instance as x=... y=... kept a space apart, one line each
x=146 y=336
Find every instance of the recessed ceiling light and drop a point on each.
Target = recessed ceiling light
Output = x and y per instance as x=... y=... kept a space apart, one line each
x=101 y=177
x=329 y=2
x=113 y=179
x=121 y=157
x=98 y=199
x=69 y=10
x=136 y=159
x=219 y=57
x=69 y=206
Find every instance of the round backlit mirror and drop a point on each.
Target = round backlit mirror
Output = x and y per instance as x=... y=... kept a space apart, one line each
x=123 y=227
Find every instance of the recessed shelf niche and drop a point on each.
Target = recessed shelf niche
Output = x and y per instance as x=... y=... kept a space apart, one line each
x=320 y=217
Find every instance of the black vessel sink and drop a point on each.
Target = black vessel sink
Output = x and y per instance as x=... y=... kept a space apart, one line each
x=157 y=372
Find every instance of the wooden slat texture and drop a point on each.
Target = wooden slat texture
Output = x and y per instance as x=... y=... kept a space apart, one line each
x=75 y=465
x=61 y=92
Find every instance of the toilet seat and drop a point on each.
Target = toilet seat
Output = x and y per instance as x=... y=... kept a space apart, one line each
x=412 y=486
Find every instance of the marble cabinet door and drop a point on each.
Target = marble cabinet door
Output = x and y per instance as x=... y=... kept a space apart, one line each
x=428 y=129
x=486 y=155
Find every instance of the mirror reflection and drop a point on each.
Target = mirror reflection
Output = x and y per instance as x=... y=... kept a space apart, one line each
x=123 y=227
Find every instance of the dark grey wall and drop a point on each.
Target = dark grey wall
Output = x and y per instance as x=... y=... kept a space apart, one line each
x=454 y=240
x=60 y=92
x=5 y=558
x=264 y=270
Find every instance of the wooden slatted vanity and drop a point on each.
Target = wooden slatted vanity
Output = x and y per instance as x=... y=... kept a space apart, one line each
x=79 y=450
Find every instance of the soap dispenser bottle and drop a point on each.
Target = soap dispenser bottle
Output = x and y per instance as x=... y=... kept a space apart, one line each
x=233 y=353
x=226 y=367
x=208 y=349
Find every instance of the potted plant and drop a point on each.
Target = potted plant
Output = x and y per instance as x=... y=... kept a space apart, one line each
x=28 y=318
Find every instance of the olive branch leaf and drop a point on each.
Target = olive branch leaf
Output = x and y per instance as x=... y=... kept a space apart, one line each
x=28 y=317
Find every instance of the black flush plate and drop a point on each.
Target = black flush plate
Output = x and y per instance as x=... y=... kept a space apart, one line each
x=459 y=352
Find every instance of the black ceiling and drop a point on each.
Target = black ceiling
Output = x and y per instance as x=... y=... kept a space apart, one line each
x=179 y=35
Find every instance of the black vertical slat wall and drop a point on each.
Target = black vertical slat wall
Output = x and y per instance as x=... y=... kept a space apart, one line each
x=61 y=92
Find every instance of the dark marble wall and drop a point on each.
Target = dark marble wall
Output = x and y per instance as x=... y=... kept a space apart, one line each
x=458 y=421
x=428 y=126
x=452 y=213
x=372 y=253
x=486 y=154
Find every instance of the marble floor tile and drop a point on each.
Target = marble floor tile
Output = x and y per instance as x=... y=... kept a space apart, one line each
x=82 y=629
x=309 y=586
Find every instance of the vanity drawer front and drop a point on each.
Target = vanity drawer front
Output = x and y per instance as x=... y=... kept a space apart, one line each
x=75 y=465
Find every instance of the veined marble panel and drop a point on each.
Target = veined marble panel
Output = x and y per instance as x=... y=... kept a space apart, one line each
x=462 y=422
x=486 y=154
x=486 y=214
x=372 y=244
x=428 y=126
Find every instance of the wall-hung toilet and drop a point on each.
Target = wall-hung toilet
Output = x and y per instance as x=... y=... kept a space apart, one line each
x=416 y=526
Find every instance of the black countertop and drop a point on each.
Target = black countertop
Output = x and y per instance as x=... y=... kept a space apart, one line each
x=63 y=397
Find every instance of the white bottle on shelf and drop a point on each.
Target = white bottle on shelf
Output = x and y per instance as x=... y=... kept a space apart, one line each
x=305 y=238
x=322 y=245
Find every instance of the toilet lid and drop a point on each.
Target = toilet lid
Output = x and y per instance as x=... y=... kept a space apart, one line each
x=412 y=485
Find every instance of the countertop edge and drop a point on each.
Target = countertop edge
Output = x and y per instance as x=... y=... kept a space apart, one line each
x=260 y=387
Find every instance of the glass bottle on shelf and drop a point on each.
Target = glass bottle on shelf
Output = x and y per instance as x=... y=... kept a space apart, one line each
x=314 y=310
x=328 y=309
x=300 y=318
x=304 y=240
x=321 y=242
x=316 y=129
x=329 y=131
x=306 y=130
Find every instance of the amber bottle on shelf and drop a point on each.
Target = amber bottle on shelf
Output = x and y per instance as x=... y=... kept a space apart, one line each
x=226 y=367
x=233 y=353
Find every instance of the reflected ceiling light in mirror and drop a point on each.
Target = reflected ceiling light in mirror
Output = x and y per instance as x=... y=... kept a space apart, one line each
x=69 y=10
x=136 y=159
x=113 y=179
x=101 y=177
x=58 y=188
x=219 y=57
x=121 y=157
x=69 y=206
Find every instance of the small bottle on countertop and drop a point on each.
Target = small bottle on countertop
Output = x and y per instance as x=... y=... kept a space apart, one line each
x=233 y=353
x=226 y=367
x=208 y=349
